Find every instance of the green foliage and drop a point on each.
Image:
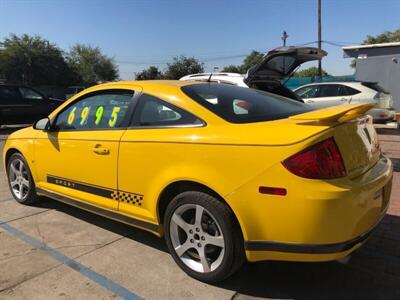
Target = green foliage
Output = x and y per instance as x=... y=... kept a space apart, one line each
x=91 y=65
x=253 y=58
x=182 y=66
x=33 y=60
x=231 y=69
x=309 y=72
x=150 y=73
x=250 y=60
x=385 y=37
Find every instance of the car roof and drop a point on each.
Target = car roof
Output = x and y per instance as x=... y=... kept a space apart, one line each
x=219 y=74
x=147 y=83
x=349 y=83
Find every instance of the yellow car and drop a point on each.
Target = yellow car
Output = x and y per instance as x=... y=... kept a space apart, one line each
x=224 y=173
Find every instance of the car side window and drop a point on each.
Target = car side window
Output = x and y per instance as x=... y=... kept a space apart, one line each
x=104 y=110
x=308 y=92
x=28 y=93
x=329 y=90
x=350 y=91
x=152 y=111
x=9 y=95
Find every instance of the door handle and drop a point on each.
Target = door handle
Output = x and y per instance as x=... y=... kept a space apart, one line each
x=309 y=101
x=99 y=149
x=343 y=99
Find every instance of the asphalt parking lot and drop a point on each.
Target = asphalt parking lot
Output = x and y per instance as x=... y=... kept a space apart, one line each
x=54 y=251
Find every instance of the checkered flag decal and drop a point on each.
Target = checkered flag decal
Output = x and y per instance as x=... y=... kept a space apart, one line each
x=129 y=198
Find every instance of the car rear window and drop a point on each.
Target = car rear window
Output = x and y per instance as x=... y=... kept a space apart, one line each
x=375 y=86
x=243 y=105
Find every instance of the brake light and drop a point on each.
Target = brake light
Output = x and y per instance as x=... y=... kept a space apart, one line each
x=319 y=161
x=243 y=104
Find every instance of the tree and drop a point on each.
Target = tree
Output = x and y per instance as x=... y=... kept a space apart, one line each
x=250 y=60
x=231 y=69
x=182 y=66
x=385 y=37
x=33 y=60
x=253 y=58
x=150 y=73
x=91 y=65
x=309 y=72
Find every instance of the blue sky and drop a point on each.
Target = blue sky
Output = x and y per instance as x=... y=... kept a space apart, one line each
x=139 y=33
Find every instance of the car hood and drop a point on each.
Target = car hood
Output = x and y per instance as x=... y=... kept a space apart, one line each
x=281 y=62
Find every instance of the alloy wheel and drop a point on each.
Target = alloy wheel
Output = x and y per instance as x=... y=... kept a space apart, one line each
x=197 y=238
x=19 y=179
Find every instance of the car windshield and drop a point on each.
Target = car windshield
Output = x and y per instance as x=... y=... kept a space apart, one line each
x=243 y=105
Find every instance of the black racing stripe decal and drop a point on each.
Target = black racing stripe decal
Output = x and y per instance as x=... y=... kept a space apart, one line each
x=104 y=212
x=103 y=192
x=122 y=196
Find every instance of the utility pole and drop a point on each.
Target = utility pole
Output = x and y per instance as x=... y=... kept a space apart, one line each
x=319 y=38
x=284 y=38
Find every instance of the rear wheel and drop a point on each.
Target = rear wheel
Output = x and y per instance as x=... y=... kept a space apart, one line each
x=203 y=236
x=20 y=180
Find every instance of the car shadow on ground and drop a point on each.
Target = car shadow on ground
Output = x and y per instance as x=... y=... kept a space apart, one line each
x=119 y=228
x=396 y=164
x=388 y=131
x=373 y=272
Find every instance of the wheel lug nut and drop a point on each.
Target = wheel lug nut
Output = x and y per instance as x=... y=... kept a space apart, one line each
x=203 y=238
x=197 y=229
x=190 y=231
x=191 y=240
x=199 y=245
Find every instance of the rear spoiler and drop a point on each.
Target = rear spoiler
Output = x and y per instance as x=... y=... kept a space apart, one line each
x=340 y=113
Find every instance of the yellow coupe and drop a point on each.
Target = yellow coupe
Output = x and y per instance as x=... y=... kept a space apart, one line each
x=224 y=173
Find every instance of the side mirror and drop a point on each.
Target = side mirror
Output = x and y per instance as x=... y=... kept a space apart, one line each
x=42 y=124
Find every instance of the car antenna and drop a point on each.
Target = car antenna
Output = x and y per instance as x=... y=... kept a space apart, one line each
x=209 y=78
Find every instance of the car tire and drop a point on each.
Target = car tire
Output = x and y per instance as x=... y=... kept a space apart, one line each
x=20 y=180
x=209 y=248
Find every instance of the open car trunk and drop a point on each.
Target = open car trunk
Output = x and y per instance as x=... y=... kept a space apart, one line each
x=280 y=63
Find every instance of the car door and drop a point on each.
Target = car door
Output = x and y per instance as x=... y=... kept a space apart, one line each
x=13 y=110
x=40 y=106
x=78 y=157
x=309 y=94
x=144 y=157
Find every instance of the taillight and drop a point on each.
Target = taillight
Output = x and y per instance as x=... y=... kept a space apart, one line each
x=319 y=161
x=378 y=96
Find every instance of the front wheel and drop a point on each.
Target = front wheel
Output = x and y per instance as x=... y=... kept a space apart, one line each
x=20 y=180
x=203 y=236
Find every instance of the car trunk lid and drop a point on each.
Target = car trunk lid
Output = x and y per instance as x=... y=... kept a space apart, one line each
x=281 y=62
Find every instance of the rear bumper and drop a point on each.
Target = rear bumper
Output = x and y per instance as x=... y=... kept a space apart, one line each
x=317 y=220
x=310 y=248
x=382 y=114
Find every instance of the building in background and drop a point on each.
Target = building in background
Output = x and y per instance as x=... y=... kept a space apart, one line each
x=378 y=63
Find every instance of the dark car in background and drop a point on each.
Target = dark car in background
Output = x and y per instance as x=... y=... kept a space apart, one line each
x=72 y=90
x=24 y=105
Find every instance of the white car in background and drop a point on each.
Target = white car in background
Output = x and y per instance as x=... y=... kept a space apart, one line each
x=327 y=94
x=268 y=73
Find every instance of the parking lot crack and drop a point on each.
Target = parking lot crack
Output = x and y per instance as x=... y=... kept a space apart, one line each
x=4 y=290
x=20 y=218
x=40 y=234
